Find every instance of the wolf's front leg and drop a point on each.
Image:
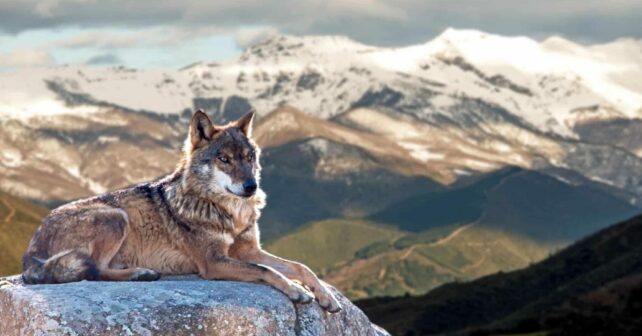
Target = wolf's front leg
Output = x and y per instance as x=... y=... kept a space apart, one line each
x=250 y=251
x=298 y=271
x=226 y=268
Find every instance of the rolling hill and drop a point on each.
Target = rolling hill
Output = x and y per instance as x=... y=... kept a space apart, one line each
x=18 y=221
x=595 y=281
x=326 y=244
x=501 y=222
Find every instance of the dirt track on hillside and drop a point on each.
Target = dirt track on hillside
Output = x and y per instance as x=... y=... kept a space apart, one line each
x=12 y=211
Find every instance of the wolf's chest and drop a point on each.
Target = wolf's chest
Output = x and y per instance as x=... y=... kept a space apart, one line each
x=241 y=218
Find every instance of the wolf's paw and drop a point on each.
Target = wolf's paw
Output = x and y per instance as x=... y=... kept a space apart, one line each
x=298 y=294
x=145 y=274
x=327 y=301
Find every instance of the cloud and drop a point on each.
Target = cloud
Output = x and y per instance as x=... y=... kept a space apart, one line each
x=104 y=59
x=158 y=47
x=380 y=22
x=46 y=8
x=132 y=38
x=23 y=58
x=248 y=37
x=106 y=40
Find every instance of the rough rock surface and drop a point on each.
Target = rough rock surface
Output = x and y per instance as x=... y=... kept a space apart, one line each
x=172 y=306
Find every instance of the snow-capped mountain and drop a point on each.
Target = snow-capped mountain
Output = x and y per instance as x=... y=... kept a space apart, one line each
x=464 y=103
x=550 y=85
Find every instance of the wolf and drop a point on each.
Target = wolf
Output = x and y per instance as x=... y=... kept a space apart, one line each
x=202 y=218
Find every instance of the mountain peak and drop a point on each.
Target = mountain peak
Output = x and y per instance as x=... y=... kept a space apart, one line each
x=560 y=44
x=452 y=34
x=339 y=41
x=461 y=37
x=280 y=46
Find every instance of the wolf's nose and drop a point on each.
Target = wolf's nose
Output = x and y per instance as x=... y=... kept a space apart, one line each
x=250 y=186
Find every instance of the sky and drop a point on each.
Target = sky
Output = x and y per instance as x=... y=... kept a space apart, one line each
x=173 y=34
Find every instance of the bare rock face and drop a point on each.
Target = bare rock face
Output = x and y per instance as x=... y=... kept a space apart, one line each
x=172 y=306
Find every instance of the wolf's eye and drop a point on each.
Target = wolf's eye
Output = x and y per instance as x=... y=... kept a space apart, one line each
x=250 y=157
x=224 y=159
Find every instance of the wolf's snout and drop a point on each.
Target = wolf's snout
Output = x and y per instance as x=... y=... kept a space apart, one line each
x=249 y=186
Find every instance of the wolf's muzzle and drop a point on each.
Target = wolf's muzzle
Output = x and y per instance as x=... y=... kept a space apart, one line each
x=250 y=186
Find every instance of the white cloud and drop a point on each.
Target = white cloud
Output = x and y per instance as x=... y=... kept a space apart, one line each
x=161 y=36
x=391 y=10
x=25 y=58
x=248 y=37
x=161 y=46
x=99 y=39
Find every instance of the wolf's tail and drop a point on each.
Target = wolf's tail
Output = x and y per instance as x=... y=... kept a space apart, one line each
x=67 y=266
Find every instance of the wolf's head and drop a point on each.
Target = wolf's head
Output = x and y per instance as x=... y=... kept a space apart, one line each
x=222 y=159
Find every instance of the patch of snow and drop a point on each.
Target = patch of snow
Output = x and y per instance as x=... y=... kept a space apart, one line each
x=501 y=147
x=563 y=180
x=11 y=157
x=601 y=180
x=91 y=184
x=318 y=145
x=462 y=172
x=479 y=164
x=421 y=153
x=104 y=139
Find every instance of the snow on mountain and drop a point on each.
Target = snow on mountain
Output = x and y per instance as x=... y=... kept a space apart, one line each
x=541 y=83
x=462 y=103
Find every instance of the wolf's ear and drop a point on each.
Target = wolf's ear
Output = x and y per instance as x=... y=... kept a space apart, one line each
x=245 y=123
x=200 y=128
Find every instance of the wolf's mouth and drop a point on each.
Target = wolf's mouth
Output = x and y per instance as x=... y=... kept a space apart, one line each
x=245 y=195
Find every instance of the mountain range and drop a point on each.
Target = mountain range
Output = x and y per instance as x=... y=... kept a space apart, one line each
x=470 y=154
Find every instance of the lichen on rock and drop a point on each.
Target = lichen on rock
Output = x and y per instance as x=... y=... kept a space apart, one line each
x=184 y=305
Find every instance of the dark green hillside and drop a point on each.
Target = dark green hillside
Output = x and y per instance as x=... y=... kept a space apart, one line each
x=366 y=259
x=521 y=301
x=299 y=193
x=432 y=209
x=521 y=202
x=613 y=309
x=545 y=209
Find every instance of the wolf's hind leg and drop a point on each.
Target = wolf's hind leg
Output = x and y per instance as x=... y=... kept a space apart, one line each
x=114 y=225
x=91 y=239
x=110 y=230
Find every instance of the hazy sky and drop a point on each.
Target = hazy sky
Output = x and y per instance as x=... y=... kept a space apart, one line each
x=162 y=33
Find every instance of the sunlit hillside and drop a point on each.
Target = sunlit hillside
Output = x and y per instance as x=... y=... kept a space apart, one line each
x=18 y=221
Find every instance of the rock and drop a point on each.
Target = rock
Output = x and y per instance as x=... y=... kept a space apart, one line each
x=184 y=305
